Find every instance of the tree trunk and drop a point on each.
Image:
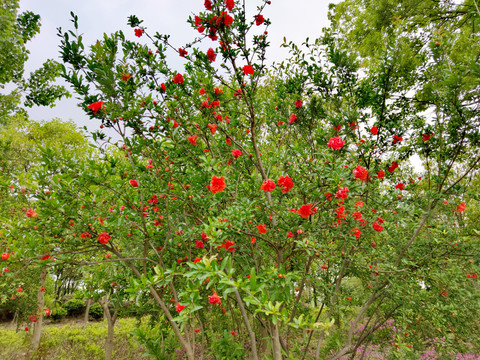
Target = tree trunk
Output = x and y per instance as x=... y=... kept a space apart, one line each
x=110 y=328
x=277 y=347
x=251 y=334
x=37 y=330
x=85 y=319
x=183 y=340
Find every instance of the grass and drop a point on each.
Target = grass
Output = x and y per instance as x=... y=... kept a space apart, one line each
x=70 y=341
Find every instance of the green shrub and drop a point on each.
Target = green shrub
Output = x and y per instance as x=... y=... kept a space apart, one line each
x=96 y=311
x=227 y=347
x=58 y=313
x=72 y=341
x=74 y=307
x=155 y=338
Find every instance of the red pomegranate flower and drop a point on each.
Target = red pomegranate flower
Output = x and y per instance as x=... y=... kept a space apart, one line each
x=376 y=226
x=214 y=299
x=95 y=106
x=262 y=229
x=230 y=4
x=192 y=139
x=213 y=128
x=306 y=210
x=259 y=19
x=286 y=183
x=236 y=153
x=178 y=79
x=248 y=70
x=217 y=184
x=342 y=193
x=31 y=213
x=335 y=143
x=268 y=186
x=360 y=173
x=211 y=55
x=396 y=139
x=103 y=238
x=392 y=168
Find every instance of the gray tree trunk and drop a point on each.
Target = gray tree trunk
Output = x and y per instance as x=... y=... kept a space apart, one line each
x=111 y=318
x=37 y=330
x=277 y=347
x=85 y=319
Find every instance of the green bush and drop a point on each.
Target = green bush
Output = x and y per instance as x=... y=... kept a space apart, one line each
x=74 y=307
x=58 y=313
x=72 y=341
x=227 y=347
x=96 y=311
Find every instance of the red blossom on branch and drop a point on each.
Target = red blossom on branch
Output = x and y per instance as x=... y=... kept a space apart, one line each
x=268 y=186
x=376 y=226
x=211 y=55
x=286 y=183
x=31 y=213
x=248 y=70
x=103 y=238
x=192 y=139
x=228 y=245
x=217 y=184
x=214 y=299
x=96 y=106
x=236 y=153
x=178 y=79
x=259 y=19
x=306 y=210
x=335 y=143
x=342 y=193
x=230 y=4
x=392 y=168
x=360 y=173
x=262 y=229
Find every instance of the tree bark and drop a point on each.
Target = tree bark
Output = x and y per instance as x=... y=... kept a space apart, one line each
x=37 y=330
x=253 y=342
x=110 y=329
x=183 y=340
x=87 y=309
x=277 y=347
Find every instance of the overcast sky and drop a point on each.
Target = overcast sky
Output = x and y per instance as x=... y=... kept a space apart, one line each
x=296 y=20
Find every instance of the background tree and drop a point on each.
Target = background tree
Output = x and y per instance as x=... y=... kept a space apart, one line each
x=280 y=204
